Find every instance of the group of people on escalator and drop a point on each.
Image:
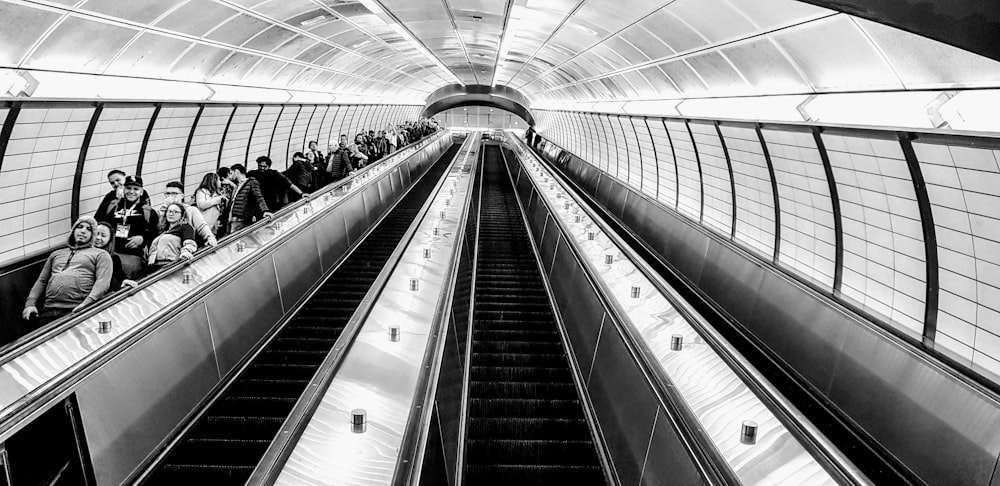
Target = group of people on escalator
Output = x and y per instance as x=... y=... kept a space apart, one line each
x=128 y=239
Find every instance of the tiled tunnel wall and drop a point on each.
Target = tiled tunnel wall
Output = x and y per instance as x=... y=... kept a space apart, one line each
x=904 y=227
x=54 y=156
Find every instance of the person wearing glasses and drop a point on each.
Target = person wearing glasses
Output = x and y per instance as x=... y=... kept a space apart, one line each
x=174 y=193
x=175 y=241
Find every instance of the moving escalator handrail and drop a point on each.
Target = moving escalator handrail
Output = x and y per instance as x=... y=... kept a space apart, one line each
x=278 y=452
x=810 y=436
x=18 y=347
x=14 y=412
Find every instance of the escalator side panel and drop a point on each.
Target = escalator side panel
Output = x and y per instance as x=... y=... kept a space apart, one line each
x=230 y=435
x=136 y=401
x=126 y=414
x=242 y=312
x=296 y=265
x=331 y=240
x=356 y=219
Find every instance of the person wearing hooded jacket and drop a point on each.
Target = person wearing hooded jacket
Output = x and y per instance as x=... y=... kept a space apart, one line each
x=135 y=223
x=72 y=278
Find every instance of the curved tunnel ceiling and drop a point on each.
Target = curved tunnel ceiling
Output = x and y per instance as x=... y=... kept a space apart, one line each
x=549 y=50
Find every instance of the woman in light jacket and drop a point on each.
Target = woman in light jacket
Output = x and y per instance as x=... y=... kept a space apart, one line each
x=210 y=200
x=175 y=242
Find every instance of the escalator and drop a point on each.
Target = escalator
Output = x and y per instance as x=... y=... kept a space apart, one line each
x=525 y=422
x=231 y=437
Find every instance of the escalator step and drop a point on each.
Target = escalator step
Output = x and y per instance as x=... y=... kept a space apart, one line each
x=522 y=389
x=532 y=452
x=523 y=475
x=524 y=407
x=537 y=428
x=518 y=359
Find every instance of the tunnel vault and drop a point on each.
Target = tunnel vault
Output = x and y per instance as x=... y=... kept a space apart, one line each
x=456 y=96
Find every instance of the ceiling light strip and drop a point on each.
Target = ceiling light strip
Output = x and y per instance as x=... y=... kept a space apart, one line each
x=506 y=35
x=393 y=22
x=381 y=14
x=558 y=28
x=244 y=10
x=461 y=40
x=106 y=19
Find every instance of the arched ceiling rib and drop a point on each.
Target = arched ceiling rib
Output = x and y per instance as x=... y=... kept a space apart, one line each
x=551 y=50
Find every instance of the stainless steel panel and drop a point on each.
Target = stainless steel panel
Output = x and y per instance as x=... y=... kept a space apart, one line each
x=667 y=461
x=615 y=196
x=404 y=175
x=807 y=336
x=129 y=405
x=547 y=247
x=243 y=311
x=624 y=405
x=537 y=216
x=944 y=431
x=385 y=192
x=372 y=203
x=588 y=178
x=449 y=398
x=295 y=262
x=725 y=270
x=582 y=313
x=331 y=238
x=604 y=193
x=395 y=183
x=355 y=218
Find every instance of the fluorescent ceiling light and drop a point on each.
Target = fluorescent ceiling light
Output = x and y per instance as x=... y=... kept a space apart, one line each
x=373 y=6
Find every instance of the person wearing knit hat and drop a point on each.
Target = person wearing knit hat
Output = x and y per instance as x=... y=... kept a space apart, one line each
x=72 y=278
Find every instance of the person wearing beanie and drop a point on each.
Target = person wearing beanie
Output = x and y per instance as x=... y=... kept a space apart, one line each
x=72 y=278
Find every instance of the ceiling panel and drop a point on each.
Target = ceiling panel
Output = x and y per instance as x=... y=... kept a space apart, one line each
x=560 y=50
x=20 y=27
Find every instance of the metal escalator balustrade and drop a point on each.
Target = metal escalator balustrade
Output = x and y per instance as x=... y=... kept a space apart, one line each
x=39 y=364
x=231 y=436
x=391 y=379
x=709 y=382
x=525 y=423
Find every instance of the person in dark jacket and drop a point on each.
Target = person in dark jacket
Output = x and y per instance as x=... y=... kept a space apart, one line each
x=300 y=173
x=248 y=204
x=104 y=239
x=135 y=223
x=116 y=178
x=273 y=184
x=339 y=162
x=72 y=278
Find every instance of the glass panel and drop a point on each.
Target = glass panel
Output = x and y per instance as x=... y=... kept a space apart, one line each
x=165 y=149
x=297 y=142
x=204 y=154
x=666 y=190
x=316 y=127
x=115 y=144
x=962 y=184
x=807 y=228
x=260 y=142
x=234 y=147
x=282 y=133
x=615 y=162
x=754 y=193
x=884 y=264
x=37 y=179
x=689 y=201
x=715 y=171
x=629 y=149
x=647 y=156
